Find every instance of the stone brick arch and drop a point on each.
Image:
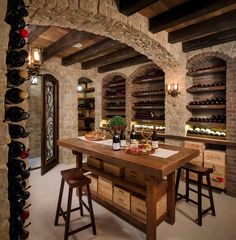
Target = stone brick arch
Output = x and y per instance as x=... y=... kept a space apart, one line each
x=113 y=74
x=96 y=17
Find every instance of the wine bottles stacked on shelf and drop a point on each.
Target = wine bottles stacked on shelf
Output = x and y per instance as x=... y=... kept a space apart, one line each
x=148 y=97
x=17 y=74
x=114 y=97
x=208 y=106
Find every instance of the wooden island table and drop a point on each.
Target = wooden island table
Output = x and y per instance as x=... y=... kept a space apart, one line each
x=155 y=169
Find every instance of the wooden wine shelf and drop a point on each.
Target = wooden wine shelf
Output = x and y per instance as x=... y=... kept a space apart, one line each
x=161 y=122
x=117 y=180
x=86 y=118
x=149 y=80
x=85 y=108
x=148 y=94
x=207 y=124
x=148 y=107
x=88 y=90
x=210 y=106
x=114 y=96
x=206 y=136
x=86 y=99
x=114 y=108
x=206 y=89
x=122 y=84
x=205 y=72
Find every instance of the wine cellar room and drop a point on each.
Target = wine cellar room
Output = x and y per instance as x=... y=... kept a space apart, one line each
x=68 y=76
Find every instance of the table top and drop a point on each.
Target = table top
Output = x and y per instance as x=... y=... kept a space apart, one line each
x=150 y=165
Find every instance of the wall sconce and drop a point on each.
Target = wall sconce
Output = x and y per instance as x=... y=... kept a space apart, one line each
x=172 y=89
x=34 y=80
x=79 y=88
x=36 y=57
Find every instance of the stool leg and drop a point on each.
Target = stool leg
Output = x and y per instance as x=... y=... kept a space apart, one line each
x=187 y=186
x=67 y=227
x=59 y=202
x=199 y=221
x=91 y=210
x=177 y=183
x=210 y=195
x=80 y=202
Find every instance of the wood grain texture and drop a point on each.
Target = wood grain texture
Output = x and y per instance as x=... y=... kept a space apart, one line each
x=38 y=30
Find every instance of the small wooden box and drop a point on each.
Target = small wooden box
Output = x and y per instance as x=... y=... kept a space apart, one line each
x=94 y=182
x=135 y=176
x=94 y=162
x=195 y=145
x=215 y=155
x=105 y=188
x=218 y=177
x=115 y=170
x=121 y=197
x=139 y=209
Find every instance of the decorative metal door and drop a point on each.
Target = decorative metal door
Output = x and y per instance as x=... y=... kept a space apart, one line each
x=49 y=147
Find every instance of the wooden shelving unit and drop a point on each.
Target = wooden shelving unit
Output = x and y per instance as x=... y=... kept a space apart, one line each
x=206 y=136
x=154 y=122
x=148 y=94
x=206 y=89
x=207 y=124
x=116 y=85
x=210 y=106
x=210 y=71
x=149 y=80
x=115 y=108
x=114 y=96
x=148 y=107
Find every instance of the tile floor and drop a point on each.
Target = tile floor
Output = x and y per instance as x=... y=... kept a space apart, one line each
x=44 y=194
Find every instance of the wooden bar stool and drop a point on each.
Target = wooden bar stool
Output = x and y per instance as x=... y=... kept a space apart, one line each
x=200 y=171
x=75 y=179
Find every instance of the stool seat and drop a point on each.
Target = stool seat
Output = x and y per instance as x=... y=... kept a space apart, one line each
x=201 y=172
x=75 y=179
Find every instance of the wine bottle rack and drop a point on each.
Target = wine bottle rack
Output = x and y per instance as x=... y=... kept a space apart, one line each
x=207 y=71
x=14 y=115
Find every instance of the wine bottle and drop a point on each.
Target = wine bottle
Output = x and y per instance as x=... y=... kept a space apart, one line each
x=116 y=142
x=132 y=135
x=16 y=40
x=17 y=59
x=154 y=139
x=16 y=114
x=122 y=139
x=16 y=95
x=17 y=131
x=14 y=195
x=16 y=170
x=16 y=77
x=17 y=149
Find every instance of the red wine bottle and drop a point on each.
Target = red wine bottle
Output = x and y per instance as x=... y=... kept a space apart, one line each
x=17 y=77
x=16 y=114
x=18 y=170
x=17 y=149
x=16 y=40
x=17 y=59
x=16 y=95
x=17 y=131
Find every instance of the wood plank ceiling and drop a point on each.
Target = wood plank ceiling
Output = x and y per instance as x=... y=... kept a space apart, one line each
x=195 y=23
x=90 y=50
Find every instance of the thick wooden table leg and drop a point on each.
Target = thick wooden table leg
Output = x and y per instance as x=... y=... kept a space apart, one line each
x=79 y=159
x=151 y=201
x=171 y=198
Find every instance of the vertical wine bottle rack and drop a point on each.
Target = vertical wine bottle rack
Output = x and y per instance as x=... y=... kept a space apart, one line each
x=15 y=115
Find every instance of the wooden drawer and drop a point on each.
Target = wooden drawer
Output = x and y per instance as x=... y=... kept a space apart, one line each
x=135 y=176
x=139 y=209
x=121 y=197
x=94 y=162
x=94 y=182
x=115 y=170
x=105 y=188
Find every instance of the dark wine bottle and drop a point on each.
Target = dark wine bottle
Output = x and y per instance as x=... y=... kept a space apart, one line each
x=17 y=77
x=16 y=114
x=132 y=135
x=14 y=195
x=16 y=40
x=154 y=139
x=16 y=95
x=17 y=59
x=17 y=149
x=17 y=131
x=122 y=139
x=116 y=142
x=17 y=169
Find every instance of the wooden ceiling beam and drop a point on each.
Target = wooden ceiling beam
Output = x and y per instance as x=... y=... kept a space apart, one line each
x=65 y=42
x=132 y=6
x=117 y=56
x=36 y=32
x=123 y=64
x=213 y=25
x=214 y=39
x=186 y=12
x=95 y=49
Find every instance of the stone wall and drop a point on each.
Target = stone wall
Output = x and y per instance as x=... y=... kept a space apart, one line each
x=4 y=136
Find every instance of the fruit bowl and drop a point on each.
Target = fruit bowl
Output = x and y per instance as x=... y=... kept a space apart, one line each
x=140 y=149
x=95 y=136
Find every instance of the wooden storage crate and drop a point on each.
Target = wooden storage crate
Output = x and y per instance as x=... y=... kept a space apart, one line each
x=105 y=188
x=94 y=182
x=217 y=161
x=121 y=197
x=115 y=170
x=139 y=209
x=135 y=176
x=198 y=146
x=94 y=162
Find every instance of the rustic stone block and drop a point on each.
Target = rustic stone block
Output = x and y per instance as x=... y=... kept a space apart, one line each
x=4 y=230
x=3 y=66
x=3 y=155
x=5 y=137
